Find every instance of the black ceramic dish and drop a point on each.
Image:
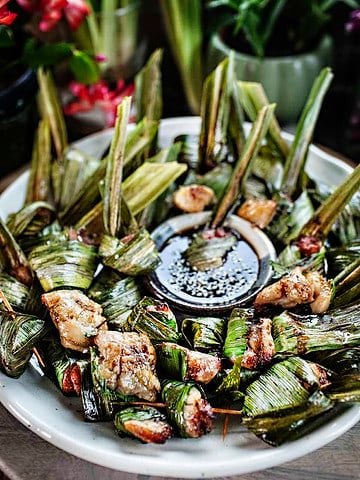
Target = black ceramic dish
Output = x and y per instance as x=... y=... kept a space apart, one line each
x=245 y=271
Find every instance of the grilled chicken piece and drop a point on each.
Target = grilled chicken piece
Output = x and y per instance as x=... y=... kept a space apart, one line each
x=193 y=198
x=127 y=363
x=193 y=365
x=76 y=317
x=198 y=415
x=201 y=366
x=257 y=211
x=322 y=292
x=289 y=291
x=143 y=422
x=321 y=373
x=260 y=346
x=297 y=288
x=149 y=431
x=72 y=379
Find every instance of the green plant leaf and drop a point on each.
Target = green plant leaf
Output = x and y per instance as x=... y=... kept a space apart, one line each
x=6 y=37
x=84 y=67
x=46 y=55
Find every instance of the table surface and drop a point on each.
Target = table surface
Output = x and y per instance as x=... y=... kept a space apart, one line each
x=25 y=456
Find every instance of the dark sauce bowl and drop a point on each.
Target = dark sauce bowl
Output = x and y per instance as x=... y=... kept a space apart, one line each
x=246 y=270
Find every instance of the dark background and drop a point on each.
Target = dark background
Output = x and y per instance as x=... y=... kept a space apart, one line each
x=338 y=126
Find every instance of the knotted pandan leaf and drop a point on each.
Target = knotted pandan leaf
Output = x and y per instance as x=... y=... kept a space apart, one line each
x=18 y=336
x=65 y=263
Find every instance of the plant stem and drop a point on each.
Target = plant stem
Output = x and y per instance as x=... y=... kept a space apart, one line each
x=183 y=24
x=38 y=187
x=252 y=145
x=253 y=98
x=113 y=177
x=295 y=162
x=321 y=222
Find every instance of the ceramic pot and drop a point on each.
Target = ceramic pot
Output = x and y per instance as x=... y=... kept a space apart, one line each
x=18 y=120
x=287 y=80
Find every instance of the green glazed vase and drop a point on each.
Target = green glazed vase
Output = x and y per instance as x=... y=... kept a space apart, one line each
x=287 y=80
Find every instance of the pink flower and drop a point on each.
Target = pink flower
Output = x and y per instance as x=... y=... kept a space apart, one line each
x=98 y=95
x=75 y=11
x=100 y=58
x=53 y=10
x=6 y=17
x=354 y=22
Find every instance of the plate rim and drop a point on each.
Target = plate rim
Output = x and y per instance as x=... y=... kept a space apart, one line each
x=268 y=456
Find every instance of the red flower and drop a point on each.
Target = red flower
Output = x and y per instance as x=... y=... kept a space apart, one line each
x=6 y=17
x=98 y=95
x=75 y=11
x=53 y=10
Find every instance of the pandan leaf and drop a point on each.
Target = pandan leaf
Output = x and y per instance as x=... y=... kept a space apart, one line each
x=205 y=253
x=31 y=219
x=296 y=335
x=290 y=425
x=295 y=162
x=64 y=264
x=239 y=175
x=135 y=255
x=18 y=336
x=39 y=182
x=116 y=295
x=184 y=364
x=253 y=98
x=58 y=365
x=155 y=319
x=145 y=423
x=205 y=334
x=15 y=292
x=187 y=408
x=12 y=257
x=114 y=172
x=148 y=182
x=278 y=389
x=237 y=334
x=78 y=168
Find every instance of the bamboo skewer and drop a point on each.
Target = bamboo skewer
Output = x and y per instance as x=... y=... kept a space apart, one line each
x=224 y=411
x=6 y=303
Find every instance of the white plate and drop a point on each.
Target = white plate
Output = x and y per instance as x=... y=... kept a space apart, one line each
x=37 y=404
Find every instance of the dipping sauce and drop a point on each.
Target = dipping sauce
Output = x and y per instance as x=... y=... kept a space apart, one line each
x=217 y=286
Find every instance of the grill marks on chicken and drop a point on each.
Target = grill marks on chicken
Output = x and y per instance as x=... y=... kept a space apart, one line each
x=297 y=288
x=260 y=345
x=198 y=415
x=202 y=367
x=149 y=431
x=127 y=363
x=76 y=317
